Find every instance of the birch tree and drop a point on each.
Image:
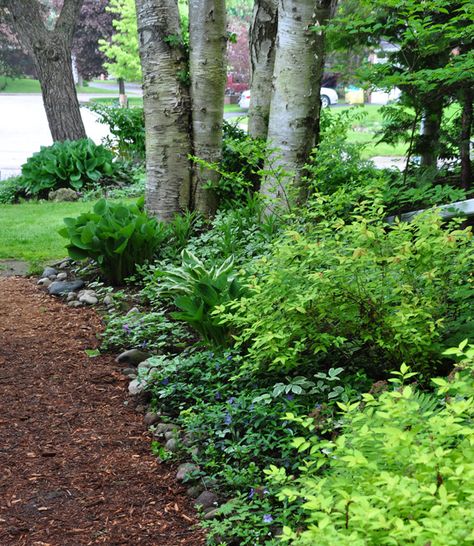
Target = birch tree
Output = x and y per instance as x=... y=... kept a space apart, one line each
x=167 y=108
x=295 y=105
x=263 y=31
x=207 y=40
x=51 y=52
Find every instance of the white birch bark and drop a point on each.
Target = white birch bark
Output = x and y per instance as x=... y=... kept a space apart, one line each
x=262 y=39
x=295 y=105
x=167 y=108
x=207 y=64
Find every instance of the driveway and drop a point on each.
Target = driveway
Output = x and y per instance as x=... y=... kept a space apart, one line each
x=24 y=129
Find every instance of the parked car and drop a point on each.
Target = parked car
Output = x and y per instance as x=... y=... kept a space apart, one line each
x=328 y=98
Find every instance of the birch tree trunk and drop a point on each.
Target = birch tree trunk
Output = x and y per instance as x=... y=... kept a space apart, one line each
x=51 y=51
x=295 y=105
x=207 y=37
x=263 y=33
x=167 y=108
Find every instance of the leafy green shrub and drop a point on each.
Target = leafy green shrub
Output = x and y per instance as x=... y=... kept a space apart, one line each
x=118 y=237
x=127 y=125
x=357 y=290
x=401 y=472
x=78 y=164
x=197 y=290
x=151 y=331
x=11 y=190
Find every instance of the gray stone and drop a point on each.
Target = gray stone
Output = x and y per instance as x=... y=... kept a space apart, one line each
x=194 y=491
x=184 y=470
x=133 y=357
x=133 y=310
x=136 y=387
x=162 y=428
x=145 y=365
x=75 y=303
x=170 y=434
x=44 y=282
x=61 y=276
x=88 y=298
x=172 y=445
x=108 y=300
x=71 y=296
x=207 y=499
x=64 y=263
x=48 y=271
x=211 y=513
x=189 y=439
x=151 y=418
x=63 y=194
x=52 y=277
x=59 y=288
x=131 y=372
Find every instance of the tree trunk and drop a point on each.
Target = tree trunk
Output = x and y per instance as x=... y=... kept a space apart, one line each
x=51 y=50
x=295 y=105
x=429 y=138
x=263 y=33
x=207 y=36
x=167 y=108
x=123 y=101
x=465 y=144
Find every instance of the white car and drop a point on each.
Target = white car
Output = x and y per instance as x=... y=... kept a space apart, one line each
x=328 y=97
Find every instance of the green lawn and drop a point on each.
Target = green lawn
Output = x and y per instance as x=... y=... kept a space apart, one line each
x=27 y=85
x=29 y=231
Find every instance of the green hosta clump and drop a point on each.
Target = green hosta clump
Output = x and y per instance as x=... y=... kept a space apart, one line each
x=402 y=472
x=118 y=237
x=78 y=164
x=359 y=290
x=197 y=291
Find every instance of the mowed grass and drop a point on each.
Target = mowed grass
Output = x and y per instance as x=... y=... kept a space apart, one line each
x=29 y=231
x=27 y=85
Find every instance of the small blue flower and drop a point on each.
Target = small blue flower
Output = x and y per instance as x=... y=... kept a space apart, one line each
x=227 y=419
x=126 y=328
x=266 y=491
x=218 y=396
x=165 y=381
x=267 y=518
x=251 y=493
x=144 y=345
x=228 y=357
x=289 y=397
x=231 y=400
x=318 y=406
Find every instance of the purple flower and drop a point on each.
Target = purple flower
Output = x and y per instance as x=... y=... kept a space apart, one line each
x=267 y=518
x=231 y=400
x=165 y=381
x=227 y=419
x=126 y=328
x=251 y=493
x=266 y=491
x=289 y=397
x=218 y=396
x=228 y=357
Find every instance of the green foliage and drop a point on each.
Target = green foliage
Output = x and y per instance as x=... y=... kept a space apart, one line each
x=118 y=237
x=401 y=472
x=127 y=125
x=78 y=164
x=11 y=190
x=353 y=288
x=151 y=331
x=197 y=291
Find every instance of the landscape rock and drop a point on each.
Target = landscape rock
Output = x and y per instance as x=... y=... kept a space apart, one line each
x=172 y=445
x=130 y=372
x=151 y=418
x=63 y=194
x=44 y=282
x=145 y=365
x=89 y=299
x=207 y=499
x=185 y=469
x=108 y=300
x=211 y=513
x=133 y=357
x=162 y=428
x=61 y=276
x=136 y=387
x=194 y=491
x=71 y=296
x=133 y=310
x=170 y=434
x=59 y=288
x=75 y=303
x=65 y=263
x=48 y=271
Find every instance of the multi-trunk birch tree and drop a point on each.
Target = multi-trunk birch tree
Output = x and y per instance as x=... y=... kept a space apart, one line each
x=183 y=101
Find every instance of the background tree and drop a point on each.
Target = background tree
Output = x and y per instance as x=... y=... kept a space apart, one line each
x=94 y=24
x=51 y=51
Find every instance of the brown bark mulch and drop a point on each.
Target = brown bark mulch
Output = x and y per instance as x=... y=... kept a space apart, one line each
x=75 y=462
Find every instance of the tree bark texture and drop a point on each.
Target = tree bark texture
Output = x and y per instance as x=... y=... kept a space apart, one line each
x=167 y=108
x=295 y=105
x=429 y=138
x=262 y=38
x=465 y=144
x=207 y=63
x=51 y=51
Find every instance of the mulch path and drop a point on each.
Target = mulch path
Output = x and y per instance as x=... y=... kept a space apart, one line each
x=75 y=462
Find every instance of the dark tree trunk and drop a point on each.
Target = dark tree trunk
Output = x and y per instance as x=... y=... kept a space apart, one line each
x=429 y=139
x=122 y=94
x=51 y=50
x=465 y=144
x=263 y=33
